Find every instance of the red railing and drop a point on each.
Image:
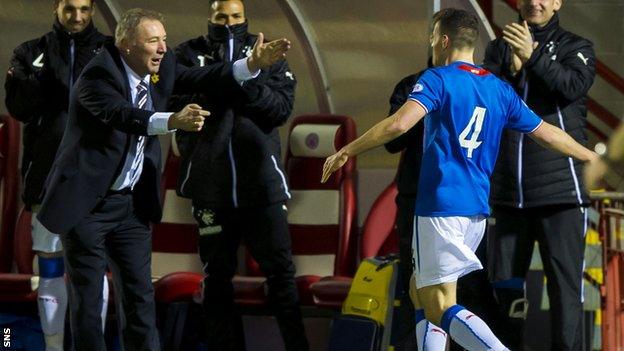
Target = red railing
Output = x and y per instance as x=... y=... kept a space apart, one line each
x=610 y=206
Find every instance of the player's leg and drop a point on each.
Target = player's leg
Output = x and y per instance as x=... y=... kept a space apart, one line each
x=52 y=291
x=428 y=335
x=466 y=328
x=52 y=298
x=445 y=251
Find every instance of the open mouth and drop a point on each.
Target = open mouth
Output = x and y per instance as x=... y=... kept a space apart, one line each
x=156 y=61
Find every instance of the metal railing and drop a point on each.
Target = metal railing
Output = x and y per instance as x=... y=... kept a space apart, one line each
x=610 y=207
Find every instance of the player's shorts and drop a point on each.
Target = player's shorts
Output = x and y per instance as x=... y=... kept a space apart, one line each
x=43 y=239
x=444 y=248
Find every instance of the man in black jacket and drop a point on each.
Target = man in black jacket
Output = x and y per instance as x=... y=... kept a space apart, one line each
x=104 y=187
x=538 y=194
x=232 y=172
x=42 y=72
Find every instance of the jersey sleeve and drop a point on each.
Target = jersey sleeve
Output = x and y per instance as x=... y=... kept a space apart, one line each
x=519 y=116
x=428 y=91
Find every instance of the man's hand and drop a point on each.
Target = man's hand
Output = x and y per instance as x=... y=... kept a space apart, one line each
x=190 y=119
x=516 y=64
x=594 y=173
x=521 y=41
x=333 y=163
x=264 y=55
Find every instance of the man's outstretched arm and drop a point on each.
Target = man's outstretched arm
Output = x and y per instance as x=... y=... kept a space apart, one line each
x=555 y=139
x=389 y=128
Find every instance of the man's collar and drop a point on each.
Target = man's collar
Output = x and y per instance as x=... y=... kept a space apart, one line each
x=133 y=78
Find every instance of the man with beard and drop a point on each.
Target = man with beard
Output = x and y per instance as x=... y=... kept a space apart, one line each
x=232 y=172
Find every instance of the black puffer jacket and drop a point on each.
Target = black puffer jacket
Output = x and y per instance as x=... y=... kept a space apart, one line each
x=235 y=161
x=554 y=83
x=37 y=93
x=411 y=142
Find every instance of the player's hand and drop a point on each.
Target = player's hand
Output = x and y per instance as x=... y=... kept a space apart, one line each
x=266 y=54
x=190 y=118
x=520 y=39
x=333 y=163
x=594 y=173
x=516 y=64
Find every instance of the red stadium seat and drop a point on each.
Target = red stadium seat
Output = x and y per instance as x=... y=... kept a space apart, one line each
x=9 y=188
x=379 y=238
x=176 y=267
x=322 y=217
x=20 y=286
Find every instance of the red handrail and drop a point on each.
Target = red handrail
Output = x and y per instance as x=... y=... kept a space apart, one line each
x=602 y=113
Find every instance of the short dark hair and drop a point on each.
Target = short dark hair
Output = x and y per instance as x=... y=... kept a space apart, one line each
x=57 y=2
x=212 y=2
x=461 y=26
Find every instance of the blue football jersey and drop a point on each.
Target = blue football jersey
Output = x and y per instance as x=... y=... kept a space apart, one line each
x=467 y=110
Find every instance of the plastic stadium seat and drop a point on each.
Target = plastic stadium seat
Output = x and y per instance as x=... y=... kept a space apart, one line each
x=20 y=286
x=176 y=267
x=321 y=217
x=379 y=238
x=9 y=188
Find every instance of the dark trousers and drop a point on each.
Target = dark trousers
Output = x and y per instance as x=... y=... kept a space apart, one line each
x=405 y=330
x=560 y=232
x=111 y=234
x=265 y=233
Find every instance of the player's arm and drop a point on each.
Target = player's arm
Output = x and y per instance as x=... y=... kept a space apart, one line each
x=554 y=138
x=400 y=122
x=397 y=99
x=23 y=88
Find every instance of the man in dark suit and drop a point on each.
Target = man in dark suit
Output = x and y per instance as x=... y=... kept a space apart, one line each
x=104 y=187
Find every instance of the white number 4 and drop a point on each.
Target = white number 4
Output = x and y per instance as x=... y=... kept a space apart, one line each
x=477 y=120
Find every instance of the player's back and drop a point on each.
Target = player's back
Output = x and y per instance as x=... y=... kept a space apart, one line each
x=468 y=107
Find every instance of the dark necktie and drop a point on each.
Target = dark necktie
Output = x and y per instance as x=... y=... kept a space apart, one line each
x=139 y=102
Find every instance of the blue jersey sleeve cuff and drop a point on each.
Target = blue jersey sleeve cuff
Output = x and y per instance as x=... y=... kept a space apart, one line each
x=418 y=101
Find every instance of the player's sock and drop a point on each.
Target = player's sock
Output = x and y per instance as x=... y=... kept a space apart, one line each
x=428 y=336
x=105 y=294
x=468 y=330
x=52 y=303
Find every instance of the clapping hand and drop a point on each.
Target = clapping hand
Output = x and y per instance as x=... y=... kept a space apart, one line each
x=266 y=54
x=190 y=118
x=521 y=41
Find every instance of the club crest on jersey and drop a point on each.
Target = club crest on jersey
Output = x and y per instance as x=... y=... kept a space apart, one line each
x=551 y=46
x=155 y=78
x=418 y=88
x=247 y=50
x=207 y=217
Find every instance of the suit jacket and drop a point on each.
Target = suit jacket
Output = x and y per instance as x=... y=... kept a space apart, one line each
x=102 y=119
